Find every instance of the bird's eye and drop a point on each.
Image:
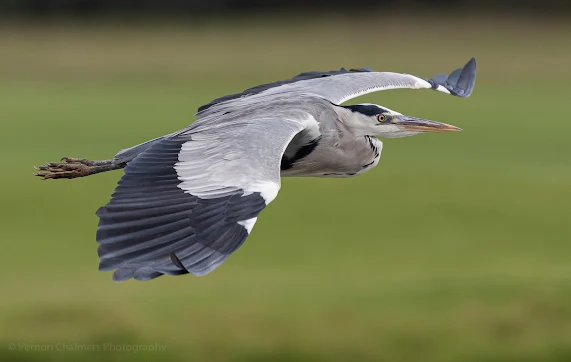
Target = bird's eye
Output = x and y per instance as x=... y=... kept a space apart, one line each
x=381 y=117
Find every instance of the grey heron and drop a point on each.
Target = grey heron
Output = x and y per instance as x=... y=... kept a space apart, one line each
x=189 y=199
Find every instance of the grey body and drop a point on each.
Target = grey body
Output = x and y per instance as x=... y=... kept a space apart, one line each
x=191 y=198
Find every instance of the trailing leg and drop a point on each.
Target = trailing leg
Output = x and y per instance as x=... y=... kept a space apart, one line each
x=75 y=167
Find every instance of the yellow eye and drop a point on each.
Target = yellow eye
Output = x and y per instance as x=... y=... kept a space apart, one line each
x=381 y=117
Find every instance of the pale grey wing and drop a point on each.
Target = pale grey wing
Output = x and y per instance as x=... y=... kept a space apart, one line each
x=189 y=200
x=342 y=87
x=263 y=87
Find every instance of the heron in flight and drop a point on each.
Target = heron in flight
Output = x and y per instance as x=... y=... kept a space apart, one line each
x=189 y=199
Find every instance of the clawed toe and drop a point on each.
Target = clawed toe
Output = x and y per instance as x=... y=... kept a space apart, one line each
x=82 y=161
x=56 y=175
x=70 y=168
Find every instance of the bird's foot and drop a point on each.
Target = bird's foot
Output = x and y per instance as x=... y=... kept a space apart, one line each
x=70 y=168
x=83 y=161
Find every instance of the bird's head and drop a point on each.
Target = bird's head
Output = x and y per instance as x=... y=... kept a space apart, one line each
x=374 y=120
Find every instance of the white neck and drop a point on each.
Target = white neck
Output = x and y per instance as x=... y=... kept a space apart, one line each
x=351 y=123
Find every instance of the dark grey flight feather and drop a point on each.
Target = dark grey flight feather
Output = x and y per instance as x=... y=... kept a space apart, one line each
x=460 y=82
x=129 y=154
x=152 y=227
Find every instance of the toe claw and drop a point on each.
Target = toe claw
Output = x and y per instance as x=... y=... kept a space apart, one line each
x=41 y=174
x=67 y=168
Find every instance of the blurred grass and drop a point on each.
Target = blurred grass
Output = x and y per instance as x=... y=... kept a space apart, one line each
x=455 y=248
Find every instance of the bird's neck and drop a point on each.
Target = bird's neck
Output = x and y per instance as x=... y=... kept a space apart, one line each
x=349 y=125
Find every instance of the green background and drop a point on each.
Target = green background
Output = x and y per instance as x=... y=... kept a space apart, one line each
x=455 y=248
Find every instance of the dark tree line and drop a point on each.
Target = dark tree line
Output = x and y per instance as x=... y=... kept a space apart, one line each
x=48 y=8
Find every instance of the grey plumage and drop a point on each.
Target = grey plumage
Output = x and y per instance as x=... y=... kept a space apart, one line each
x=297 y=78
x=189 y=199
x=149 y=221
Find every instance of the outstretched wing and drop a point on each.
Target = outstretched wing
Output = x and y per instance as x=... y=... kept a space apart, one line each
x=297 y=78
x=340 y=86
x=189 y=200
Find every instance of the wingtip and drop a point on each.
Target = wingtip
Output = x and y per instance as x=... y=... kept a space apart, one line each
x=459 y=82
x=469 y=72
x=122 y=274
x=471 y=64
